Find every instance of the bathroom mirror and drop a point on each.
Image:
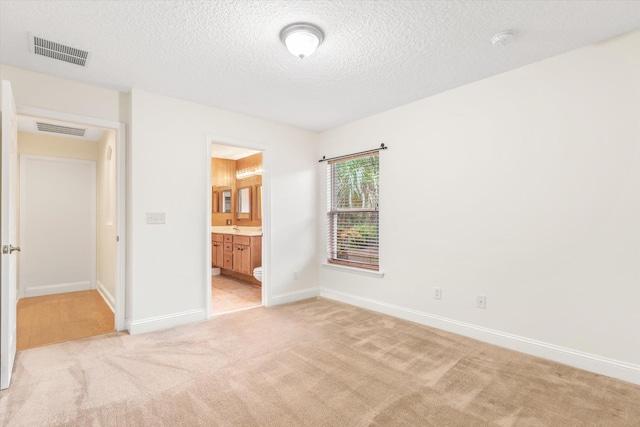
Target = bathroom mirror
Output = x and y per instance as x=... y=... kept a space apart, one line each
x=258 y=204
x=215 y=201
x=244 y=203
x=225 y=201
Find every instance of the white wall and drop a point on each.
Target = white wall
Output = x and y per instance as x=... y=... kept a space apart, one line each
x=56 y=146
x=52 y=93
x=106 y=211
x=524 y=187
x=57 y=225
x=168 y=174
x=166 y=167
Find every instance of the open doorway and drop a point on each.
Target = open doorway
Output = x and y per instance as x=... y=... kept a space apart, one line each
x=236 y=228
x=68 y=231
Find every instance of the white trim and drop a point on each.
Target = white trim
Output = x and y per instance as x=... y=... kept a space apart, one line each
x=236 y=310
x=266 y=213
x=58 y=288
x=293 y=296
x=168 y=321
x=354 y=270
x=30 y=291
x=578 y=359
x=207 y=245
x=25 y=110
x=122 y=286
x=106 y=295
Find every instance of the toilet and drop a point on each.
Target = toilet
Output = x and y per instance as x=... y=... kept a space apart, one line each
x=257 y=273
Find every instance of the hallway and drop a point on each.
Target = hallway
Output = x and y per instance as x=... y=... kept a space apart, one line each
x=63 y=317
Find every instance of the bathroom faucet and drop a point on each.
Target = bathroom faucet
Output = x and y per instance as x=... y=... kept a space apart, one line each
x=235 y=227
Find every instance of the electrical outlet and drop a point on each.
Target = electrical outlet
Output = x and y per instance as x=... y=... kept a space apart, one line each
x=228 y=222
x=481 y=301
x=437 y=293
x=295 y=275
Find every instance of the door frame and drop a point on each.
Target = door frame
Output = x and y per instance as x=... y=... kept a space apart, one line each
x=122 y=289
x=8 y=297
x=266 y=214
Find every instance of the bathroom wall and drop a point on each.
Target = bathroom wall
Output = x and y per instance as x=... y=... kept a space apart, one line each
x=223 y=178
x=251 y=182
x=523 y=187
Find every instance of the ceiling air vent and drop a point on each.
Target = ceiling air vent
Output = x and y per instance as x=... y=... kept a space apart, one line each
x=59 y=51
x=66 y=130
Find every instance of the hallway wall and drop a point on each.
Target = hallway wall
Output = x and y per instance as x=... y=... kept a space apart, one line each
x=106 y=212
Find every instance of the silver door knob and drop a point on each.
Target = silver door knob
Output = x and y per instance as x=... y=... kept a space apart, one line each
x=7 y=249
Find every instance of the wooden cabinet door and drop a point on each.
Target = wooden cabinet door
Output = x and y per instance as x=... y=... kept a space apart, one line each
x=227 y=260
x=219 y=261
x=242 y=259
x=217 y=250
x=217 y=254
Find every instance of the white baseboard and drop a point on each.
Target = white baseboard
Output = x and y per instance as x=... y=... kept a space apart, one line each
x=164 y=322
x=589 y=362
x=106 y=295
x=60 y=288
x=286 y=297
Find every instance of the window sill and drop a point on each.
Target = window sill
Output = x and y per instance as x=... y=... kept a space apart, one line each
x=353 y=270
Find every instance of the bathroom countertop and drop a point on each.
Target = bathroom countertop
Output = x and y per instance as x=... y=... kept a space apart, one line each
x=243 y=231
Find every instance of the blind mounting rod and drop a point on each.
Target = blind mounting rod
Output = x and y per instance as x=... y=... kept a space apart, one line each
x=382 y=147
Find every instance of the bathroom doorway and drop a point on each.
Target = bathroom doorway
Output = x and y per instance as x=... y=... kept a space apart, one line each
x=236 y=228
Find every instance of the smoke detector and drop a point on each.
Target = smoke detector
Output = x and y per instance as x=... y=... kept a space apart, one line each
x=502 y=39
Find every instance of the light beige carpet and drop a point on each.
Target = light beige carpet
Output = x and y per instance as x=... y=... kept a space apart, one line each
x=311 y=363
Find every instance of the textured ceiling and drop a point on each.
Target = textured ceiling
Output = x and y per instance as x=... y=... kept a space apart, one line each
x=376 y=54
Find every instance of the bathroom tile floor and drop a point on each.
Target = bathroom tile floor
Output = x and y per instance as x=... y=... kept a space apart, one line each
x=228 y=294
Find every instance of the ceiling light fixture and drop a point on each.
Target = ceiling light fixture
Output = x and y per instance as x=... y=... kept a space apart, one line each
x=302 y=39
x=248 y=172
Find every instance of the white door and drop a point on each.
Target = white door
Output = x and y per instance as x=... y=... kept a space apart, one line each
x=8 y=214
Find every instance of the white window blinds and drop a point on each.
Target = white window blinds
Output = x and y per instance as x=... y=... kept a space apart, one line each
x=352 y=211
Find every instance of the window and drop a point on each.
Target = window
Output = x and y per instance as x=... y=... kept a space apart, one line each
x=352 y=211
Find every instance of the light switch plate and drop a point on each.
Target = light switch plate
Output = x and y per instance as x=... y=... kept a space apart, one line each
x=156 y=218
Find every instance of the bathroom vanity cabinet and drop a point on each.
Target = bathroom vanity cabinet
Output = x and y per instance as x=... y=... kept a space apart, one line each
x=227 y=256
x=237 y=253
x=217 y=249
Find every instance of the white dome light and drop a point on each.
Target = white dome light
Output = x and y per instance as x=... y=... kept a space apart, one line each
x=301 y=39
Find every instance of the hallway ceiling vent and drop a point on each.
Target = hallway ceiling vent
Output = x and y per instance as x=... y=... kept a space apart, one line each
x=59 y=51
x=66 y=130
